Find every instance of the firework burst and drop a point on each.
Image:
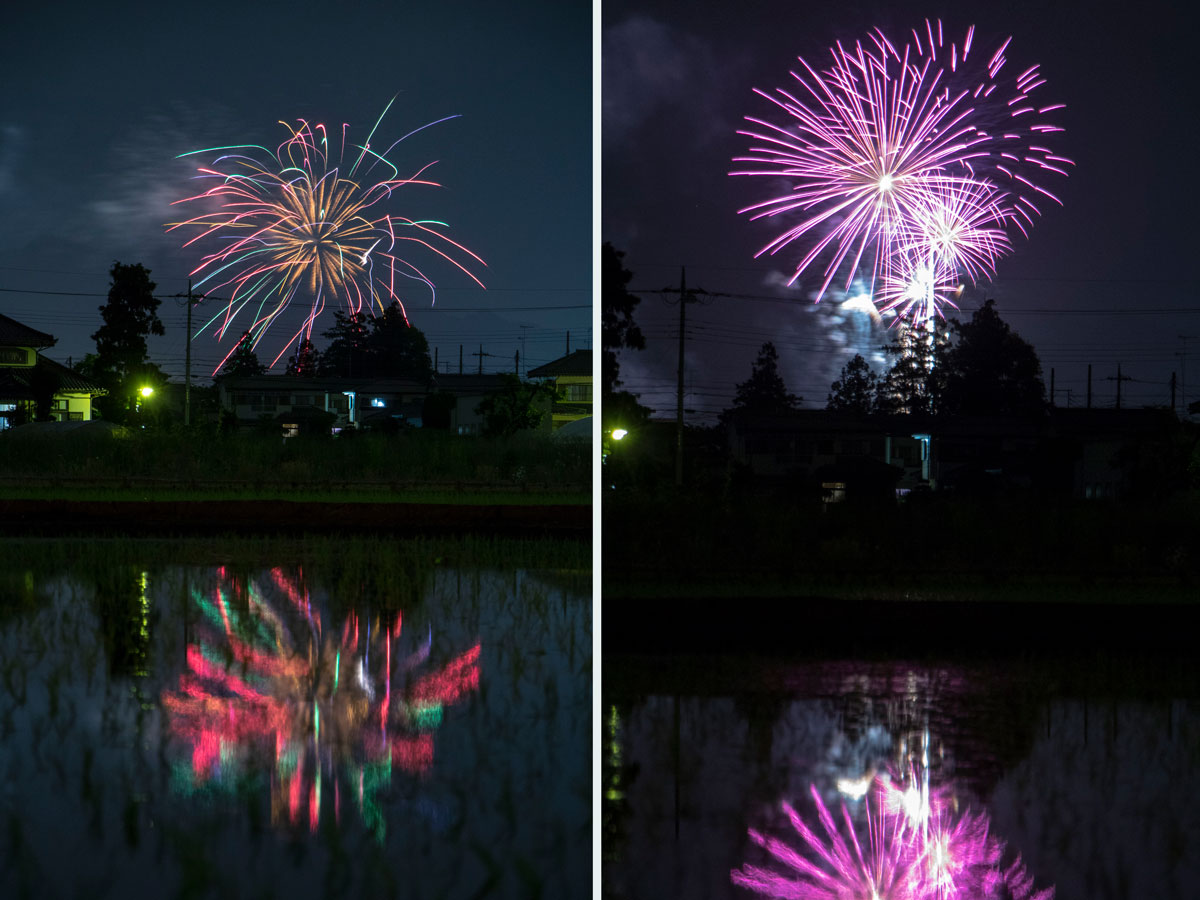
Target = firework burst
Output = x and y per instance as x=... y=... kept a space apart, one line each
x=916 y=847
x=310 y=223
x=904 y=160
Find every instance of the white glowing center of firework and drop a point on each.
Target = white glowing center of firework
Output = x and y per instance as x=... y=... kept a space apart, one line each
x=885 y=183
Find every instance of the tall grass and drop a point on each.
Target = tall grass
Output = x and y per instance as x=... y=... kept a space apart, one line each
x=199 y=455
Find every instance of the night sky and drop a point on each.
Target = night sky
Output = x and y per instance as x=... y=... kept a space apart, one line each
x=99 y=99
x=1106 y=279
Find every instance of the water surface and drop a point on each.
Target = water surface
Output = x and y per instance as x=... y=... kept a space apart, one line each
x=195 y=731
x=1087 y=767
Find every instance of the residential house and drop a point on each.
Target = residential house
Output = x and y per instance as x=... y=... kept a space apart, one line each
x=572 y=377
x=354 y=402
x=468 y=392
x=25 y=373
x=845 y=453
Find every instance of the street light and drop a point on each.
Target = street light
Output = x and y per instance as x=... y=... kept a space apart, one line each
x=145 y=392
x=618 y=433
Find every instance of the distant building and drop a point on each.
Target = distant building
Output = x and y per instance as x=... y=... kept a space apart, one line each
x=572 y=377
x=354 y=402
x=25 y=375
x=468 y=392
x=1083 y=453
x=842 y=453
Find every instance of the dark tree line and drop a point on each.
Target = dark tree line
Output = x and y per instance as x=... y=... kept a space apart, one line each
x=979 y=367
x=360 y=346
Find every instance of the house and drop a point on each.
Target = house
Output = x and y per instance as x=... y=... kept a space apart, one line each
x=354 y=402
x=468 y=392
x=572 y=377
x=26 y=376
x=839 y=450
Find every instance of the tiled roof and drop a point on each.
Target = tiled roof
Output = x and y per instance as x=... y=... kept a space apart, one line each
x=14 y=334
x=578 y=363
x=16 y=382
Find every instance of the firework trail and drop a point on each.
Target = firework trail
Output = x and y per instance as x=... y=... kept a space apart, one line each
x=909 y=161
x=916 y=847
x=311 y=223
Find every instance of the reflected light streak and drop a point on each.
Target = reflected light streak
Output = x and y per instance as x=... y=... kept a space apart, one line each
x=268 y=686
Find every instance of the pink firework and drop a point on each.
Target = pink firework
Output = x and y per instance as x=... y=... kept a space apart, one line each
x=891 y=150
x=917 y=846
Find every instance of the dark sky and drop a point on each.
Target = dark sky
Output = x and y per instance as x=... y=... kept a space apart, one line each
x=1104 y=279
x=97 y=100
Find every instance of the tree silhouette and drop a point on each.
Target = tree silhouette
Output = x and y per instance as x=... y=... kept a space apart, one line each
x=122 y=362
x=306 y=361
x=397 y=350
x=243 y=360
x=856 y=389
x=519 y=405
x=346 y=355
x=990 y=370
x=914 y=382
x=764 y=391
x=618 y=330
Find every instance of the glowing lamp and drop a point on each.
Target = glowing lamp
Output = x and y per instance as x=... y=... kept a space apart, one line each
x=619 y=433
x=146 y=391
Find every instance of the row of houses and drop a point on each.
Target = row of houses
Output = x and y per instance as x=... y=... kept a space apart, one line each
x=1084 y=453
x=26 y=375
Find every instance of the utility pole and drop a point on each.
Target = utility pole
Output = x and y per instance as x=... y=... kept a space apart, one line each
x=522 y=327
x=568 y=343
x=1172 y=392
x=481 y=355
x=684 y=299
x=435 y=361
x=1183 y=375
x=187 y=357
x=1089 y=399
x=1118 y=380
x=460 y=359
x=1052 y=385
x=679 y=380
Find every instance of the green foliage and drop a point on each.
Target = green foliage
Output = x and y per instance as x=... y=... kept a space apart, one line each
x=617 y=306
x=256 y=463
x=121 y=363
x=855 y=391
x=518 y=406
x=621 y=409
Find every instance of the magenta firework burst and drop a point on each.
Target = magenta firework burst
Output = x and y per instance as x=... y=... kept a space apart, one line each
x=904 y=159
x=909 y=845
x=314 y=224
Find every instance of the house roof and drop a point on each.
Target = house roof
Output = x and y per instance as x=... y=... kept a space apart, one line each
x=577 y=363
x=14 y=334
x=17 y=383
